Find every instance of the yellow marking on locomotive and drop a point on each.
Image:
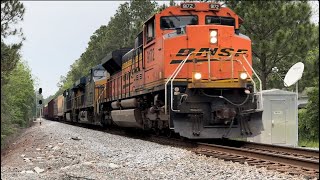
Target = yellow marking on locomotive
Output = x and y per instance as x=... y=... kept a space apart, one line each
x=136 y=59
x=229 y=83
x=127 y=64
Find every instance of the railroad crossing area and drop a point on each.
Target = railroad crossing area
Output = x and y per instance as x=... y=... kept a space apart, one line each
x=57 y=150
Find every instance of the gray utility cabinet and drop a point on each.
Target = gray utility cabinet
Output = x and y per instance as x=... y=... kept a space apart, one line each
x=279 y=118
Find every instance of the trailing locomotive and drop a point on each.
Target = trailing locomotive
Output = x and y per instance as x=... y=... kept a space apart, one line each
x=189 y=72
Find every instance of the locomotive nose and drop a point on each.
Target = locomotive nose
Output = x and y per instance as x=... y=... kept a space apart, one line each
x=209 y=36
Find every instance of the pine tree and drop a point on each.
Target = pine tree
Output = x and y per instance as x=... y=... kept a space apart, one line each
x=281 y=33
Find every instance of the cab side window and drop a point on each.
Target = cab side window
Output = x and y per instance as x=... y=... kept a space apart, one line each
x=173 y=22
x=150 y=31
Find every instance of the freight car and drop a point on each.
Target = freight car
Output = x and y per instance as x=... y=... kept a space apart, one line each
x=51 y=109
x=45 y=111
x=189 y=72
x=58 y=112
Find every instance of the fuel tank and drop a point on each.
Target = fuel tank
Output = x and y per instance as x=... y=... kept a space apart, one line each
x=127 y=118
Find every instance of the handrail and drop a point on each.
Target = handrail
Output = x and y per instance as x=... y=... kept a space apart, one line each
x=99 y=98
x=165 y=87
x=254 y=83
x=178 y=69
x=209 y=65
x=171 y=84
x=232 y=67
x=260 y=84
x=104 y=89
x=230 y=57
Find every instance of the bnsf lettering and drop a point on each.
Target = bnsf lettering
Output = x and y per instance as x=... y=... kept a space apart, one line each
x=241 y=51
x=201 y=52
x=185 y=52
x=226 y=52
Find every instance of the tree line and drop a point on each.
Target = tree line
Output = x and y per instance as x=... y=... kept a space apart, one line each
x=118 y=33
x=17 y=83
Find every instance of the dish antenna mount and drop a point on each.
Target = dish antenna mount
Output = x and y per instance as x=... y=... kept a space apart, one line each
x=292 y=77
x=294 y=74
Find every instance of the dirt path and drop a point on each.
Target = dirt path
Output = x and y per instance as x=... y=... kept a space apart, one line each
x=11 y=142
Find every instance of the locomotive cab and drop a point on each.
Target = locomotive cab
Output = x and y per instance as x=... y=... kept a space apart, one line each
x=83 y=99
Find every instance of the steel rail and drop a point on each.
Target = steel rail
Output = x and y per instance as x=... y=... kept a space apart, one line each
x=284 y=149
x=293 y=161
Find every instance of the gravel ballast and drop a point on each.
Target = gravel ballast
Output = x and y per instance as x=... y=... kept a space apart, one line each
x=60 y=151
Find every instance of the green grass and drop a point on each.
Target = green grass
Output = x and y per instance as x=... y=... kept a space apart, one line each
x=309 y=143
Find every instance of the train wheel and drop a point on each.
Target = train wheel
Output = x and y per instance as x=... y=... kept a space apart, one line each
x=157 y=131
x=182 y=138
x=102 y=122
x=104 y=125
x=169 y=133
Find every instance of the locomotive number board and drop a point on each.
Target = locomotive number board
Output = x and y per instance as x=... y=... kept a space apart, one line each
x=188 y=5
x=214 y=7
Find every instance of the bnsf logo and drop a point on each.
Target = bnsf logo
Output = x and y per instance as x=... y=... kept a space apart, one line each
x=214 y=51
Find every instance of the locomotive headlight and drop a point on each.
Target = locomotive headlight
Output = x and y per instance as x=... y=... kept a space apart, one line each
x=213 y=40
x=213 y=36
x=197 y=76
x=213 y=33
x=243 y=76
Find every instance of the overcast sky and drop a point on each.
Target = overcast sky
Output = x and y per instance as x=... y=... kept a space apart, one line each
x=57 y=34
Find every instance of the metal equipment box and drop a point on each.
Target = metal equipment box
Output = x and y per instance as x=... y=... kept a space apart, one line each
x=279 y=118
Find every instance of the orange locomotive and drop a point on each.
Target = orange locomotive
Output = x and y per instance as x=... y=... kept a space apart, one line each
x=189 y=72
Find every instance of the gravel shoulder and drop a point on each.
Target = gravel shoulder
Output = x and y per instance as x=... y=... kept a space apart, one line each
x=61 y=151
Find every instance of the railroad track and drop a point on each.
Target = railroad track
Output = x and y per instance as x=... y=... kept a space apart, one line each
x=290 y=160
x=295 y=161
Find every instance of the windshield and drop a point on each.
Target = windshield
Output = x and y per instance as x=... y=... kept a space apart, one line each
x=172 y=22
x=228 y=21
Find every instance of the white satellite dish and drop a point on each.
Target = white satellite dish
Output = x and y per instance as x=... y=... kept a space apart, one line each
x=294 y=74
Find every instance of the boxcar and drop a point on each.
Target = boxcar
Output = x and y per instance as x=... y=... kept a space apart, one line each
x=59 y=107
x=45 y=112
x=50 y=109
